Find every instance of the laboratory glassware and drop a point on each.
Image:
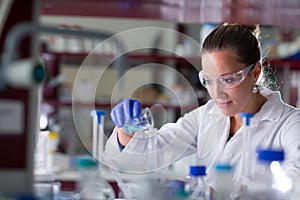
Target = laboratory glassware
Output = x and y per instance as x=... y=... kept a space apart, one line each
x=246 y=143
x=99 y=140
x=269 y=182
x=142 y=122
x=196 y=186
x=91 y=184
x=241 y=190
x=98 y=133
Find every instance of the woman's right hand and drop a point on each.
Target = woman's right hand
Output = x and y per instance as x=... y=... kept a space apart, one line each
x=124 y=112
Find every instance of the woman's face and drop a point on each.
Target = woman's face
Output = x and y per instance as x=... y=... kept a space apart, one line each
x=234 y=100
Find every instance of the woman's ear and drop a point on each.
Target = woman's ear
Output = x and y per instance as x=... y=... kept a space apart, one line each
x=256 y=71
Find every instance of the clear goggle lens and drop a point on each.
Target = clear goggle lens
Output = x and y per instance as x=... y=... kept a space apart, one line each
x=227 y=81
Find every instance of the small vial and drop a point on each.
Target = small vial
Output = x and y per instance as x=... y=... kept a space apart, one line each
x=142 y=122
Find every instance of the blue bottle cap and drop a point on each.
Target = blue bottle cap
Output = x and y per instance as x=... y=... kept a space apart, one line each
x=223 y=167
x=98 y=113
x=83 y=162
x=246 y=118
x=197 y=170
x=270 y=155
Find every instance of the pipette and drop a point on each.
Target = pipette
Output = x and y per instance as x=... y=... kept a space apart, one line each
x=247 y=147
x=98 y=148
x=98 y=133
x=241 y=190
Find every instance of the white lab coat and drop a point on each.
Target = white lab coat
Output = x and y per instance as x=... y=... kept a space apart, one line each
x=205 y=131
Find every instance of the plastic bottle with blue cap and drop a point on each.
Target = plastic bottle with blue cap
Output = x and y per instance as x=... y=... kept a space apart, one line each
x=91 y=184
x=269 y=182
x=196 y=186
x=98 y=133
x=241 y=188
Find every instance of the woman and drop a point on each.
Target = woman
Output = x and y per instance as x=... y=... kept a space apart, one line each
x=231 y=69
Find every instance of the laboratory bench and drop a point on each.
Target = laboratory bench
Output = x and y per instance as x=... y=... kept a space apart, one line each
x=67 y=177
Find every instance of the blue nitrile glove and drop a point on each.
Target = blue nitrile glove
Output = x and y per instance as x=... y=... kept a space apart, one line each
x=125 y=111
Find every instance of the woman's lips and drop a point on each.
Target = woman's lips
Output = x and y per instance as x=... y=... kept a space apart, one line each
x=224 y=104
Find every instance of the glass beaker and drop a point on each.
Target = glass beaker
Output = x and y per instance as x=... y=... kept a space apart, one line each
x=142 y=122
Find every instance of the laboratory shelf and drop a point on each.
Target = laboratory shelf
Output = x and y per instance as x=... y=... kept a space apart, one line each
x=159 y=57
x=79 y=54
x=57 y=59
x=57 y=103
x=131 y=56
x=293 y=64
x=183 y=11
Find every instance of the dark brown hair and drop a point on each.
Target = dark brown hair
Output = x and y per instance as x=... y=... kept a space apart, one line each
x=242 y=39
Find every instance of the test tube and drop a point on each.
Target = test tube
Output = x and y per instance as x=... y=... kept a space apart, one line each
x=98 y=133
x=247 y=147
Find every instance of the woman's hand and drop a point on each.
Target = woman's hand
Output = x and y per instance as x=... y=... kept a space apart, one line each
x=123 y=113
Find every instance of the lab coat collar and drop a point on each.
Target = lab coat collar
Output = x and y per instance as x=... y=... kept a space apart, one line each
x=215 y=110
x=271 y=110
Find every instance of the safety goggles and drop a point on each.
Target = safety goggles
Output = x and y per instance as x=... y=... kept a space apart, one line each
x=228 y=81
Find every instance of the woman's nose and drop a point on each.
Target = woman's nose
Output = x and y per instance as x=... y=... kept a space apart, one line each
x=218 y=90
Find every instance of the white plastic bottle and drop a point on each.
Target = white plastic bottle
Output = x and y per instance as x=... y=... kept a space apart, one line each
x=224 y=183
x=91 y=184
x=196 y=186
x=269 y=182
